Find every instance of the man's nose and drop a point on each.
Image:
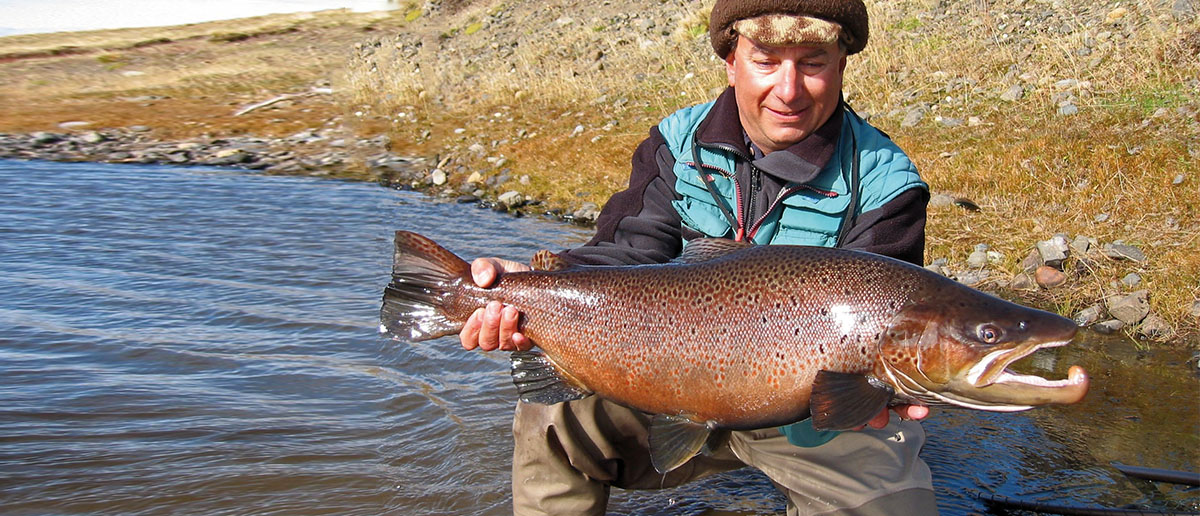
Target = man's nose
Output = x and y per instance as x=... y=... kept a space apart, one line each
x=787 y=83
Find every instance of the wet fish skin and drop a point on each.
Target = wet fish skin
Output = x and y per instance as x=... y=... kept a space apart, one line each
x=739 y=337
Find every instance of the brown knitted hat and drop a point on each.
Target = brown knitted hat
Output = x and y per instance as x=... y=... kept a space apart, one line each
x=850 y=14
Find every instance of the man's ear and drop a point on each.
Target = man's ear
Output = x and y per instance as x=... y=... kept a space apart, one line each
x=729 y=61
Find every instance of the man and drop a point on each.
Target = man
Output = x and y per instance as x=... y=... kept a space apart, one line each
x=777 y=158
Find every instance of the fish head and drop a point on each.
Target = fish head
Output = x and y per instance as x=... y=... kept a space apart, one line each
x=956 y=351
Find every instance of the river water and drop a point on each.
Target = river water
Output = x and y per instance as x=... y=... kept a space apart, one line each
x=204 y=341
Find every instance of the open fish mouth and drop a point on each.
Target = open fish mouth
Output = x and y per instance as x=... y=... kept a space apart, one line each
x=993 y=367
x=991 y=383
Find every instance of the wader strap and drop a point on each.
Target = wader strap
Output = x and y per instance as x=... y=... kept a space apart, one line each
x=708 y=185
x=852 y=210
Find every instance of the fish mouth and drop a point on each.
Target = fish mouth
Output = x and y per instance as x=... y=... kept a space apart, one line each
x=993 y=367
x=990 y=382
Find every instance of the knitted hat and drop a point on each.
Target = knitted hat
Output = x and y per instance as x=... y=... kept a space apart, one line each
x=850 y=14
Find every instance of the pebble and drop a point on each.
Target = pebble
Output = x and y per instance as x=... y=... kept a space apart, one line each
x=1120 y=251
x=1053 y=251
x=1088 y=316
x=913 y=117
x=1131 y=280
x=1049 y=277
x=437 y=177
x=1014 y=93
x=1023 y=281
x=511 y=197
x=1130 y=309
x=1108 y=327
x=1155 y=327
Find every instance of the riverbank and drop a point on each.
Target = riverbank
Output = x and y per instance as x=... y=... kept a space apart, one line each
x=1072 y=127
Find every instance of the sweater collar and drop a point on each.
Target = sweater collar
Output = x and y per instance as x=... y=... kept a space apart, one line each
x=799 y=163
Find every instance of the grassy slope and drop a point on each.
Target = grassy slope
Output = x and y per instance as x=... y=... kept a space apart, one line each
x=518 y=78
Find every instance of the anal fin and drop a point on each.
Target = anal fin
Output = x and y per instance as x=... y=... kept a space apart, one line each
x=674 y=440
x=845 y=401
x=538 y=381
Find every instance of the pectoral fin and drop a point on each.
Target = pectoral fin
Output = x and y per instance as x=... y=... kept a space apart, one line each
x=675 y=440
x=844 y=401
x=538 y=381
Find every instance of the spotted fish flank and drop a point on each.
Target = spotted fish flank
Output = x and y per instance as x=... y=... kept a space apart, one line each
x=734 y=336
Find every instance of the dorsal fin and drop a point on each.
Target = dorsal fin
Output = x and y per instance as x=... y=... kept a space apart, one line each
x=545 y=260
x=705 y=249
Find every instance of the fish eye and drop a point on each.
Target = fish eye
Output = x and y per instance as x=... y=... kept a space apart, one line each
x=990 y=334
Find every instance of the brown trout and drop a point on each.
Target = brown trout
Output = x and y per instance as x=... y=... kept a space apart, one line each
x=733 y=336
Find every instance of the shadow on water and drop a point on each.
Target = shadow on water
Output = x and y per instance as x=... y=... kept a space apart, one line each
x=199 y=341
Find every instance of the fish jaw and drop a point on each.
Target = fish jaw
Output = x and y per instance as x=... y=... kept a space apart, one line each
x=943 y=360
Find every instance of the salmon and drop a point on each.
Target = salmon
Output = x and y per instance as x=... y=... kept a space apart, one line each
x=733 y=336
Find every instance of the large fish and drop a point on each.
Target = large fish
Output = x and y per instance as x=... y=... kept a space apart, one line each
x=735 y=336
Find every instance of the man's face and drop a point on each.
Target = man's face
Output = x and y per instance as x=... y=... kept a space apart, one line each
x=784 y=93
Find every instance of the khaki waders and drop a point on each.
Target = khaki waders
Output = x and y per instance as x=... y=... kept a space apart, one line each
x=568 y=455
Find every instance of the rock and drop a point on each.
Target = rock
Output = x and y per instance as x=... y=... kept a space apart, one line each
x=45 y=138
x=972 y=277
x=946 y=121
x=1049 y=277
x=1108 y=327
x=1081 y=244
x=913 y=116
x=1195 y=311
x=93 y=137
x=511 y=197
x=1014 y=93
x=1178 y=180
x=1130 y=309
x=941 y=201
x=1053 y=251
x=74 y=124
x=1067 y=108
x=1032 y=261
x=139 y=128
x=979 y=257
x=1120 y=251
x=586 y=213
x=1023 y=281
x=1155 y=327
x=475 y=178
x=1131 y=280
x=437 y=177
x=1088 y=316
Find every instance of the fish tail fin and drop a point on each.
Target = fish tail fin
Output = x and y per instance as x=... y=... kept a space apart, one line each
x=427 y=284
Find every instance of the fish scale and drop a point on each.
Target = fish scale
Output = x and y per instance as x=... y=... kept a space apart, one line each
x=736 y=336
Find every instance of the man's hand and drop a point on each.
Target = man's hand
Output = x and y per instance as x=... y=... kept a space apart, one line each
x=494 y=326
x=909 y=412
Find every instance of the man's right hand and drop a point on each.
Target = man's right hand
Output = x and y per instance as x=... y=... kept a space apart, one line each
x=494 y=326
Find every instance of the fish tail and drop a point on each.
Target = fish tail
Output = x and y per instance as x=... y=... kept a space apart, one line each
x=426 y=298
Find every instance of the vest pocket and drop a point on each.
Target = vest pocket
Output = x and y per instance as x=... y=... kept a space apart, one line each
x=809 y=218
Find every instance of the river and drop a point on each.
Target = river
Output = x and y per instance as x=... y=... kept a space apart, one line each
x=205 y=341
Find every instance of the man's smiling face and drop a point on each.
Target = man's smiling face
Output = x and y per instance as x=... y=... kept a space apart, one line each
x=784 y=93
